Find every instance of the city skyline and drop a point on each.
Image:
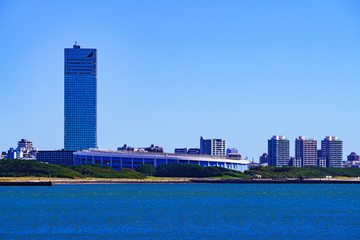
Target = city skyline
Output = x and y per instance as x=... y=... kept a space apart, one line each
x=157 y=85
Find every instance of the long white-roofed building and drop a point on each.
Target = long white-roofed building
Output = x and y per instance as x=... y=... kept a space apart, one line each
x=129 y=159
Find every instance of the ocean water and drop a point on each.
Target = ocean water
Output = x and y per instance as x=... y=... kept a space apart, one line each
x=181 y=211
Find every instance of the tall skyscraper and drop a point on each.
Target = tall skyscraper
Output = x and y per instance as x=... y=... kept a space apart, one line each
x=80 y=79
x=306 y=150
x=278 y=151
x=214 y=147
x=332 y=151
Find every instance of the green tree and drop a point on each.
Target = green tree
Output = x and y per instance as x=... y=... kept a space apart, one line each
x=146 y=169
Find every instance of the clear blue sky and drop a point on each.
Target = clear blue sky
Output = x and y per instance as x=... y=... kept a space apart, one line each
x=172 y=71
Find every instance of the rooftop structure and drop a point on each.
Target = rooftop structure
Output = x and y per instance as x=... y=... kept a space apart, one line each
x=152 y=148
x=187 y=150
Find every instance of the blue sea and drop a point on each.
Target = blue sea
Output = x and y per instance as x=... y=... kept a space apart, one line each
x=181 y=211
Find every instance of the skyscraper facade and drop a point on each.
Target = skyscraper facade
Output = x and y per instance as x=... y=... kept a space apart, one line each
x=332 y=151
x=278 y=151
x=215 y=147
x=80 y=80
x=306 y=150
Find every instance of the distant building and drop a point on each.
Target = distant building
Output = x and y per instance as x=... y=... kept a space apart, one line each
x=80 y=83
x=152 y=148
x=14 y=154
x=231 y=150
x=59 y=157
x=25 y=150
x=234 y=156
x=306 y=151
x=321 y=162
x=332 y=151
x=187 y=150
x=295 y=162
x=194 y=151
x=254 y=164
x=353 y=157
x=278 y=151
x=25 y=144
x=263 y=158
x=214 y=147
x=353 y=160
x=181 y=150
x=352 y=164
x=126 y=148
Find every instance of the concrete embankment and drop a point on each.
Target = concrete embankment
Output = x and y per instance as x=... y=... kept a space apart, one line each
x=185 y=180
x=198 y=180
x=280 y=181
x=119 y=181
x=27 y=183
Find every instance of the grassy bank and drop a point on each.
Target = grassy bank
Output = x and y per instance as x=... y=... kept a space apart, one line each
x=23 y=168
x=305 y=172
x=13 y=168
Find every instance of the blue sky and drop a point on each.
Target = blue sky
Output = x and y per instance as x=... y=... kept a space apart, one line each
x=172 y=71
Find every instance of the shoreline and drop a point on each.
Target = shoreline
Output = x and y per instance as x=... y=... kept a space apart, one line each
x=51 y=182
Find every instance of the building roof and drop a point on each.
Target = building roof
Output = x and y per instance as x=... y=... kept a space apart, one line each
x=157 y=155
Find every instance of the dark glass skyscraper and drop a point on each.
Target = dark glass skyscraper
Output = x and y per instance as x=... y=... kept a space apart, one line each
x=80 y=79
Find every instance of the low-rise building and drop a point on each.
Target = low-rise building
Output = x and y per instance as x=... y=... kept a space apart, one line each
x=187 y=150
x=131 y=159
x=321 y=162
x=181 y=150
x=263 y=158
x=59 y=157
x=353 y=157
x=295 y=162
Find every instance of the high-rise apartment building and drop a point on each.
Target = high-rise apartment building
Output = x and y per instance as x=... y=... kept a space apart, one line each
x=278 y=151
x=332 y=151
x=216 y=147
x=306 y=150
x=80 y=79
